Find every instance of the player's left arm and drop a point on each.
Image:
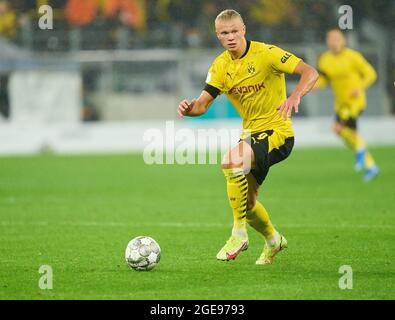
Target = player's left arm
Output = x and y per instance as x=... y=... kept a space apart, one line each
x=323 y=79
x=308 y=78
x=365 y=69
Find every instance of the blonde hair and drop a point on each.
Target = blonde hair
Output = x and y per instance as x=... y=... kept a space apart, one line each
x=336 y=30
x=228 y=14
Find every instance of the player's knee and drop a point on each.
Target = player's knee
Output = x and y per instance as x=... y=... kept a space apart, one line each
x=337 y=128
x=228 y=163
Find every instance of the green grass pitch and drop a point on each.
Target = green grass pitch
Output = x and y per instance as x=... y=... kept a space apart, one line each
x=77 y=213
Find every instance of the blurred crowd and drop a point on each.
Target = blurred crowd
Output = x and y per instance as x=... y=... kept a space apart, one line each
x=180 y=23
x=129 y=24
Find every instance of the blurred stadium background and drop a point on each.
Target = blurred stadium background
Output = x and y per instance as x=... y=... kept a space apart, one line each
x=109 y=69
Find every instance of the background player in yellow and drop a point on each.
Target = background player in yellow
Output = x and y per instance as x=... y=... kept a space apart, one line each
x=251 y=74
x=349 y=75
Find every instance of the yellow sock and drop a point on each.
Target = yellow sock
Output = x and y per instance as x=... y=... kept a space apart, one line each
x=356 y=142
x=352 y=138
x=237 y=187
x=258 y=218
x=369 y=161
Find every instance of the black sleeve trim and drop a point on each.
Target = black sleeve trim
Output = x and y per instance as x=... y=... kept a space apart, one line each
x=247 y=48
x=323 y=74
x=213 y=91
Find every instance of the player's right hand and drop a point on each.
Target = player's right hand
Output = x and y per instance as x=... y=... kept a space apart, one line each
x=185 y=106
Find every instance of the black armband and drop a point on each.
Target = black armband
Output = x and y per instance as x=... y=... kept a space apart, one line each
x=213 y=91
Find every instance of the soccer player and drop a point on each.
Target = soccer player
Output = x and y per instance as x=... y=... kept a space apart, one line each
x=251 y=74
x=349 y=74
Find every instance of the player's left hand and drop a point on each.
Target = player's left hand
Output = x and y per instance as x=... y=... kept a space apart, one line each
x=285 y=109
x=355 y=93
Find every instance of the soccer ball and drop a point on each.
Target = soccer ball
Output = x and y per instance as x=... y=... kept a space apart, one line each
x=142 y=253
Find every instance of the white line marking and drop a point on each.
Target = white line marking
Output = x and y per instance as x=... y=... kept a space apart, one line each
x=177 y=225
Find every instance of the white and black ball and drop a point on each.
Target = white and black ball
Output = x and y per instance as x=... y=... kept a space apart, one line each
x=142 y=253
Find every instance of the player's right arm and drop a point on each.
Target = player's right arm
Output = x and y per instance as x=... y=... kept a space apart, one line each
x=323 y=79
x=214 y=87
x=196 y=107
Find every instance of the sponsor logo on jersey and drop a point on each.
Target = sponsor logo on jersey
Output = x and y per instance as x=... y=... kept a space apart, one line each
x=247 y=89
x=285 y=57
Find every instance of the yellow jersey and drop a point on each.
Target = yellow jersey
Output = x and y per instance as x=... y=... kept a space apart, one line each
x=346 y=72
x=255 y=85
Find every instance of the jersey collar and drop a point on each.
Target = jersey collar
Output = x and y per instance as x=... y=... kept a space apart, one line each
x=248 y=48
x=245 y=52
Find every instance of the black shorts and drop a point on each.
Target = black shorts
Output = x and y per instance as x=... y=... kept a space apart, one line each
x=280 y=149
x=350 y=122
